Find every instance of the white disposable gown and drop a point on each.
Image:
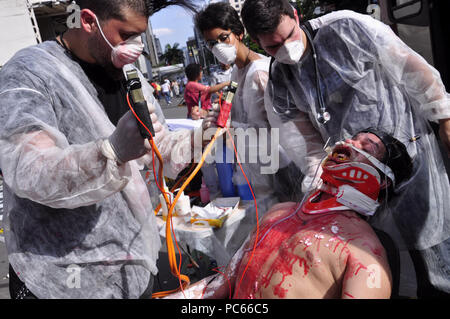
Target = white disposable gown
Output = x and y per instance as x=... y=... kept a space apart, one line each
x=69 y=207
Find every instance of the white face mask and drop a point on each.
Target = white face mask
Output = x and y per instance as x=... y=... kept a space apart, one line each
x=125 y=52
x=225 y=53
x=290 y=53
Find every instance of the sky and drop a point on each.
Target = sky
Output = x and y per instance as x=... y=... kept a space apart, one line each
x=172 y=24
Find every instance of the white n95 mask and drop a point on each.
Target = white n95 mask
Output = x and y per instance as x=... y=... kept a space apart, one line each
x=125 y=52
x=290 y=52
x=225 y=53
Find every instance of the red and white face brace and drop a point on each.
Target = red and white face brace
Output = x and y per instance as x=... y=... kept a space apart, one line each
x=353 y=185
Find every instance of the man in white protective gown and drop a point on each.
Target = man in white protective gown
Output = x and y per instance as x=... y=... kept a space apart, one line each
x=337 y=74
x=79 y=219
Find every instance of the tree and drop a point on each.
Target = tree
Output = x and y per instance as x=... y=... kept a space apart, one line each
x=306 y=8
x=253 y=45
x=172 y=54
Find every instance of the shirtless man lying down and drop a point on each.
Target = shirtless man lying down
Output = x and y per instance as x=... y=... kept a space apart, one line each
x=323 y=248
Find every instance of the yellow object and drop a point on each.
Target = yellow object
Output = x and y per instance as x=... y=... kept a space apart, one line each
x=212 y=222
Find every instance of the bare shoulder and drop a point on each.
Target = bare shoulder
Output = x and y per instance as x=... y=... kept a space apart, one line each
x=364 y=237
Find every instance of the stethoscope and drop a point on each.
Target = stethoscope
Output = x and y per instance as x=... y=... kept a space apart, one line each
x=322 y=115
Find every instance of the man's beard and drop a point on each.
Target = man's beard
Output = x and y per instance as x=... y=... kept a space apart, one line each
x=101 y=52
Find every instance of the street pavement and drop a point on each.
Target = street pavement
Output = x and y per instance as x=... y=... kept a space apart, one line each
x=175 y=110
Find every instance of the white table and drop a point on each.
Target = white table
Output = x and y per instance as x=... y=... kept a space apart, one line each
x=219 y=243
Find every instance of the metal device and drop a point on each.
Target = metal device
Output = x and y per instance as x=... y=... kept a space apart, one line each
x=225 y=108
x=139 y=104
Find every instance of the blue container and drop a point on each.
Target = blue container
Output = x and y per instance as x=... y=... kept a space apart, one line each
x=244 y=192
x=242 y=187
x=225 y=173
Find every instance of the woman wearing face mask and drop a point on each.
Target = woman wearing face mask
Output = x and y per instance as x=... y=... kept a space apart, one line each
x=223 y=31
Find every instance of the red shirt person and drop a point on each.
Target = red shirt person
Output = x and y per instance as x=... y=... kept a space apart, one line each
x=197 y=94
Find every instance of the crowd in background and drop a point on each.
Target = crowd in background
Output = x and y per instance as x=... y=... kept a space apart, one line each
x=168 y=88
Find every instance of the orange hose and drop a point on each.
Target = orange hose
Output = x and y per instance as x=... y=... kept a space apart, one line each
x=170 y=249
x=174 y=187
x=176 y=270
x=172 y=257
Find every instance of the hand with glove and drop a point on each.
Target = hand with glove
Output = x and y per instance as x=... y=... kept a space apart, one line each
x=160 y=130
x=126 y=140
x=210 y=120
x=209 y=124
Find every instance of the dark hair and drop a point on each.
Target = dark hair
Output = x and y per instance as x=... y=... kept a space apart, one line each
x=193 y=71
x=396 y=156
x=219 y=15
x=112 y=9
x=264 y=16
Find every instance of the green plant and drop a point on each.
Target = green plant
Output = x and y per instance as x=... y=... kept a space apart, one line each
x=172 y=54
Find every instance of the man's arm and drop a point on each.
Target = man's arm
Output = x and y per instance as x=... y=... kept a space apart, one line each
x=375 y=42
x=425 y=85
x=218 y=87
x=37 y=160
